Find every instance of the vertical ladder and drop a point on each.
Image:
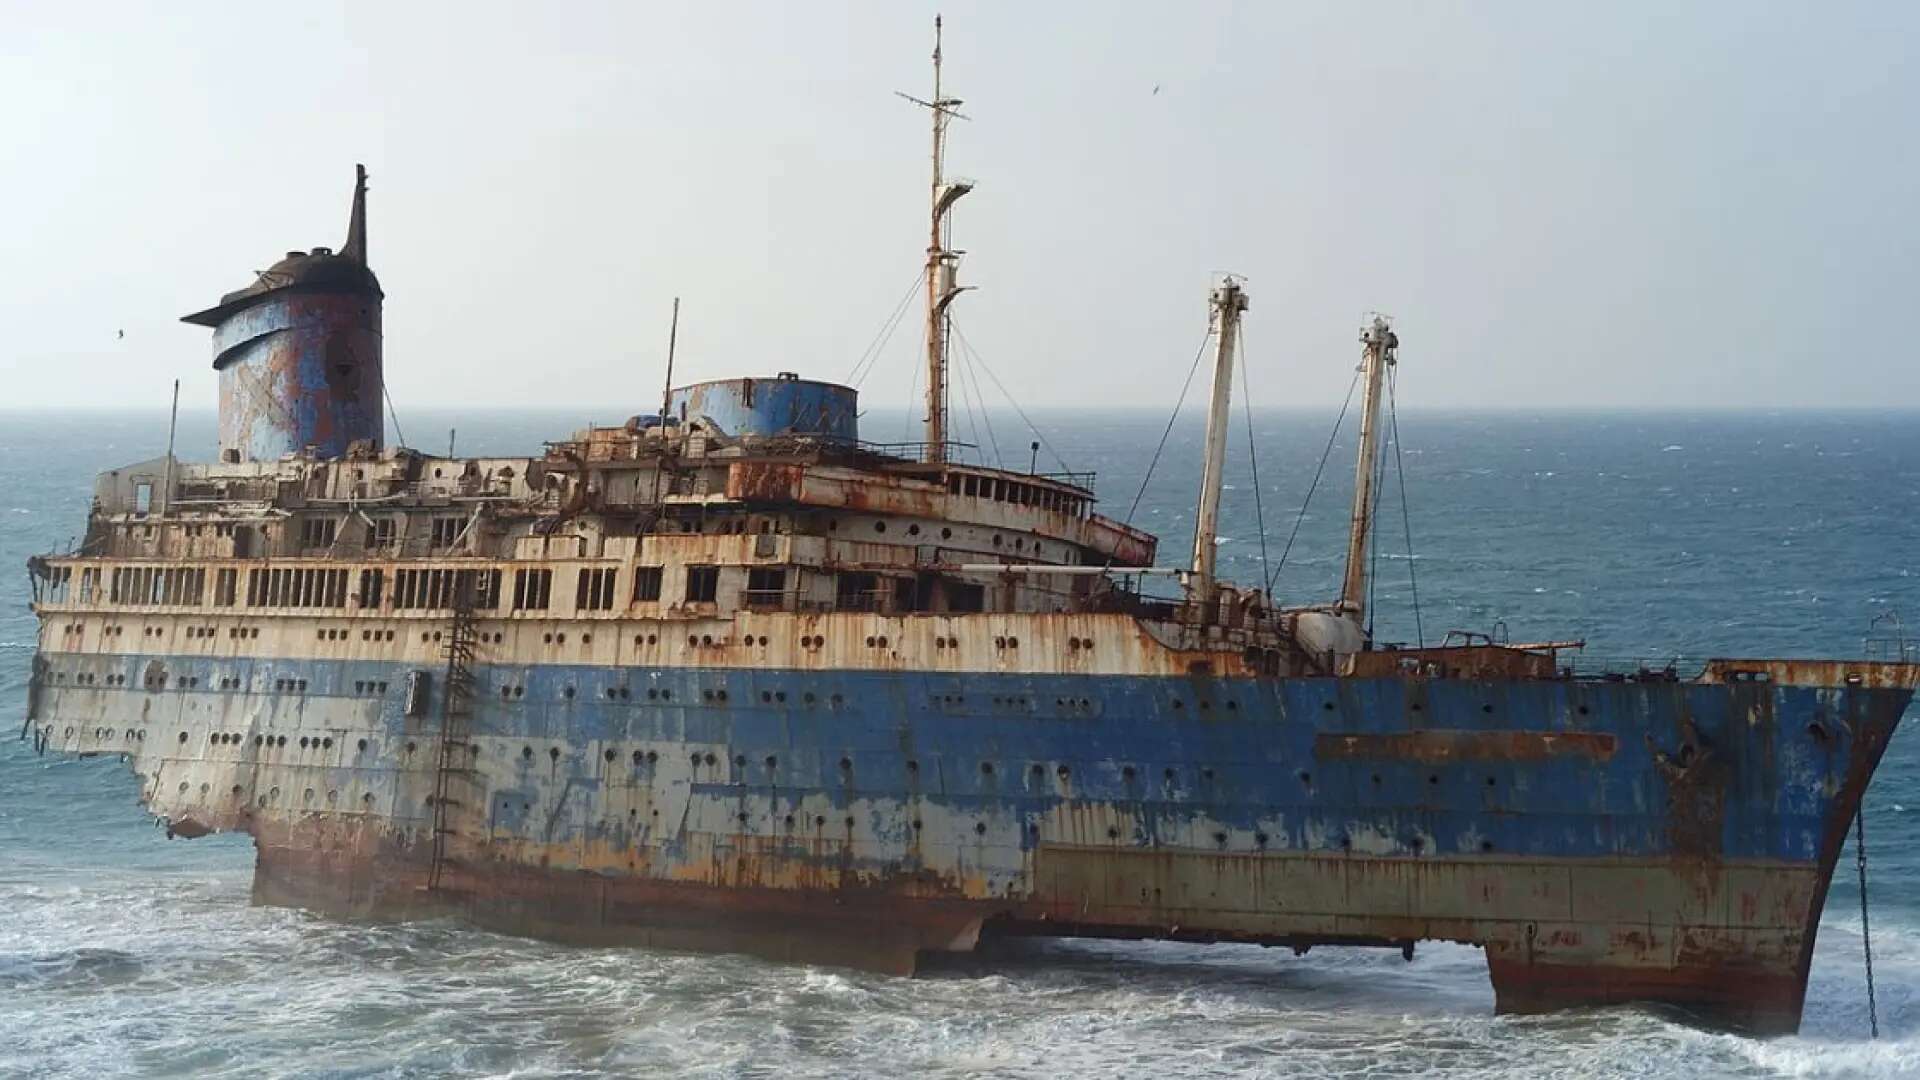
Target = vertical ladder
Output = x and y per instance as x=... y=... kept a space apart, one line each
x=454 y=765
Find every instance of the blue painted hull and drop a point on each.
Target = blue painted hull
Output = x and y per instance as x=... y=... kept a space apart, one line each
x=1605 y=840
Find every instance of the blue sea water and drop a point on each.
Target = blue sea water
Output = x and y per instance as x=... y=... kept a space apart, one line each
x=1655 y=537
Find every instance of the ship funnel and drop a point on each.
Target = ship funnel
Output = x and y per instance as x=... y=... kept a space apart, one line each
x=298 y=352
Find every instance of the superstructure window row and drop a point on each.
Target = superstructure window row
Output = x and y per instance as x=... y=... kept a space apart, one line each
x=296 y=587
x=178 y=586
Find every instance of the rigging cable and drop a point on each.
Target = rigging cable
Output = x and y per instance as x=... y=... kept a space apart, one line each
x=1311 y=488
x=1031 y=426
x=1253 y=457
x=1184 y=387
x=1373 y=537
x=1866 y=932
x=964 y=376
x=906 y=422
x=1406 y=518
x=864 y=366
x=391 y=411
x=979 y=396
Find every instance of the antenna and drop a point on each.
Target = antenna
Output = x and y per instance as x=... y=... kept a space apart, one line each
x=173 y=425
x=942 y=261
x=673 y=341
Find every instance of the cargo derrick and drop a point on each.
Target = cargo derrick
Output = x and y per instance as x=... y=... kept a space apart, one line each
x=727 y=677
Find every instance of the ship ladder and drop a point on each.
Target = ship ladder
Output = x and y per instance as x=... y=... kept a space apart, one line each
x=454 y=762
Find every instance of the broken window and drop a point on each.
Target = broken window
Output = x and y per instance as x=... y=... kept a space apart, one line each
x=484 y=586
x=382 y=533
x=703 y=584
x=646 y=584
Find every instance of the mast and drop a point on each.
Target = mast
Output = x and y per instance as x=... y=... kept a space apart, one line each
x=1229 y=300
x=1380 y=344
x=942 y=263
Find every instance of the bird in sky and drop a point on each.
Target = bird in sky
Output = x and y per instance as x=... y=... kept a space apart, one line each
x=122 y=335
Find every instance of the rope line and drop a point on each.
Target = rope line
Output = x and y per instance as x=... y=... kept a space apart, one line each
x=1253 y=455
x=1315 y=486
x=1373 y=537
x=966 y=401
x=1866 y=931
x=1184 y=387
x=1406 y=517
x=394 y=413
x=913 y=391
x=980 y=397
x=882 y=336
x=1004 y=392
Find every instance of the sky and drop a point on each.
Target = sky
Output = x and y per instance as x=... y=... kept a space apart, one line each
x=1698 y=205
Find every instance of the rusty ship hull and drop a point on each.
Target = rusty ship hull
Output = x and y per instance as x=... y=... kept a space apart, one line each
x=1604 y=840
x=726 y=676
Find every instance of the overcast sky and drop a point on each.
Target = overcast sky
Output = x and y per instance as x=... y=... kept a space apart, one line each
x=1707 y=204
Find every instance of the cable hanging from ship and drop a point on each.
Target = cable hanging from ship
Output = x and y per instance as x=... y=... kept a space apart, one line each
x=1318 y=471
x=1253 y=459
x=1171 y=418
x=865 y=364
x=1866 y=930
x=968 y=348
x=1406 y=516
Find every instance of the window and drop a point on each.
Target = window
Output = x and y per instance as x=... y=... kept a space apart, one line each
x=143 y=497
x=225 y=586
x=485 y=585
x=963 y=597
x=593 y=589
x=446 y=530
x=305 y=587
x=372 y=584
x=382 y=534
x=157 y=585
x=856 y=592
x=318 y=532
x=532 y=589
x=646 y=584
x=766 y=588
x=703 y=584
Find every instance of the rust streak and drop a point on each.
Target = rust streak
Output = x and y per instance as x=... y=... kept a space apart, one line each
x=1438 y=747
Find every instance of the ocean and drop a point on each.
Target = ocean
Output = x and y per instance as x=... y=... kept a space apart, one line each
x=1656 y=537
